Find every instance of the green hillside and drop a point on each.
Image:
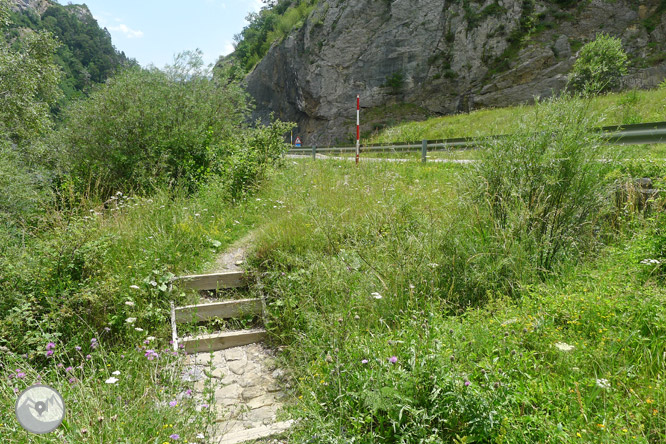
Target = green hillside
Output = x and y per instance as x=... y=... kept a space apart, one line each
x=86 y=55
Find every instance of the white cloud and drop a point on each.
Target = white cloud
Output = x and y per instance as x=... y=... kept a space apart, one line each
x=127 y=31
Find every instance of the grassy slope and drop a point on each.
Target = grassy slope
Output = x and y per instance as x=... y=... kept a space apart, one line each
x=614 y=109
x=114 y=260
x=351 y=233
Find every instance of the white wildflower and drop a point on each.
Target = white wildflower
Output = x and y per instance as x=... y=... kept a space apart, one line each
x=116 y=373
x=135 y=287
x=650 y=262
x=376 y=295
x=130 y=320
x=603 y=383
x=150 y=338
x=138 y=329
x=129 y=304
x=111 y=380
x=564 y=346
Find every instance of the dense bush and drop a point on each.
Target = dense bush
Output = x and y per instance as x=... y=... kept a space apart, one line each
x=600 y=65
x=148 y=128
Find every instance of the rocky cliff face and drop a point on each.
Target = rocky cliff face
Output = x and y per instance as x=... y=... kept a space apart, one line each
x=440 y=57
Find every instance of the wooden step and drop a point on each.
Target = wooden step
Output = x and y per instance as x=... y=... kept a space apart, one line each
x=220 y=341
x=223 y=310
x=212 y=281
x=265 y=431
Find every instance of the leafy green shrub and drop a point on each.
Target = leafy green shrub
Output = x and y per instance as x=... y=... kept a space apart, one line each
x=600 y=65
x=146 y=128
x=539 y=191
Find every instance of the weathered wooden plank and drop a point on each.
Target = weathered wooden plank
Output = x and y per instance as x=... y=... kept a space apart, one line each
x=221 y=341
x=211 y=281
x=223 y=310
x=264 y=431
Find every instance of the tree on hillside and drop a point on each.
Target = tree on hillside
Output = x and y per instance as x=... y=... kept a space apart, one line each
x=599 y=66
x=28 y=83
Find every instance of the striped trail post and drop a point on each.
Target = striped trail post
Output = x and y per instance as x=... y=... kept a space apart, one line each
x=424 y=150
x=358 y=126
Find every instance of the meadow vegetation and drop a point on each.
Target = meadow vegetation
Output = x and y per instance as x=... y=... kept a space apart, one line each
x=515 y=300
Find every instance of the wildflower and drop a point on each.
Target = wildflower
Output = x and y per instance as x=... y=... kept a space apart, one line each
x=60 y=365
x=50 y=346
x=173 y=403
x=393 y=359
x=603 y=383
x=129 y=304
x=49 y=353
x=20 y=374
x=77 y=348
x=175 y=436
x=364 y=361
x=72 y=380
x=107 y=329
x=134 y=287
x=150 y=338
x=188 y=392
x=376 y=295
x=69 y=369
x=138 y=329
x=116 y=373
x=650 y=262
x=200 y=436
x=204 y=406
x=151 y=354
x=111 y=380
x=88 y=357
x=564 y=346
x=467 y=383
x=130 y=320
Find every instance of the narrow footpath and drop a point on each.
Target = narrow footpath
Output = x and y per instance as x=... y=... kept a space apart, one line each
x=249 y=388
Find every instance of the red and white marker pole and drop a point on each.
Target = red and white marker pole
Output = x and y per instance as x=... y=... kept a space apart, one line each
x=358 y=126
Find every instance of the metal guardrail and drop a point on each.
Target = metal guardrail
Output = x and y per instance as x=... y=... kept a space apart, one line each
x=636 y=134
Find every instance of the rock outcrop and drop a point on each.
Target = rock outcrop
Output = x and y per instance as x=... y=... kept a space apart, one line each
x=439 y=57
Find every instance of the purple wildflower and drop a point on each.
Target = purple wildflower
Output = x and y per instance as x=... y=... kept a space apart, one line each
x=72 y=380
x=364 y=361
x=20 y=374
x=50 y=346
x=175 y=436
x=60 y=365
x=77 y=348
x=151 y=354
x=393 y=359
x=88 y=357
x=69 y=369
x=173 y=403
x=49 y=353
x=467 y=383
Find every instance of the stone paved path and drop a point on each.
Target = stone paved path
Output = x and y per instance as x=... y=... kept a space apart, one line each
x=248 y=387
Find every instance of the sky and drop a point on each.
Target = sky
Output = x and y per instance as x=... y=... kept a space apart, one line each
x=153 y=31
